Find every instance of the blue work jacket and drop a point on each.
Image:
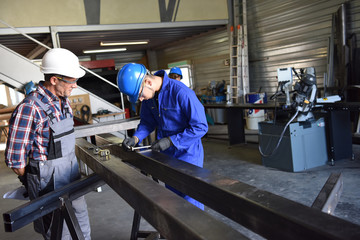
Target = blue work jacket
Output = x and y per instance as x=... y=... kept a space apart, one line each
x=180 y=116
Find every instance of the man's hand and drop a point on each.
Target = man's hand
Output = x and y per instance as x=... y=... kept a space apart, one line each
x=161 y=144
x=21 y=172
x=128 y=143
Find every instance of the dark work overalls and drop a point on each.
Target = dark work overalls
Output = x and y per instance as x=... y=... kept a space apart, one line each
x=60 y=169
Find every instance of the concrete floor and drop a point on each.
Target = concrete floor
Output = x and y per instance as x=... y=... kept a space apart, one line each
x=111 y=217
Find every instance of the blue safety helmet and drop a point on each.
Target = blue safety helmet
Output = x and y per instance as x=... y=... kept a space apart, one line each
x=29 y=87
x=130 y=78
x=177 y=71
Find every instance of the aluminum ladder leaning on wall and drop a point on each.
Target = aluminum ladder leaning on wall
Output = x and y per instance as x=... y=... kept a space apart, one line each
x=239 y=61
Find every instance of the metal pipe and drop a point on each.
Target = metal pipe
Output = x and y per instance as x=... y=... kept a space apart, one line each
x=25 y=35
x=343 y=24
x=142 y=147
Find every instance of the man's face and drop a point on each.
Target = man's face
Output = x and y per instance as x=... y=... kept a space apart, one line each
x=146 y=92
x=175 y=76
x=64 y=86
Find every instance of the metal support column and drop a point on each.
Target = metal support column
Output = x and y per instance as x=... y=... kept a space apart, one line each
x=55 y=37
x=244 y=55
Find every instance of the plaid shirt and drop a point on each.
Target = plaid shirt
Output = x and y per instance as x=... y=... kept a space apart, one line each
x=29 y=128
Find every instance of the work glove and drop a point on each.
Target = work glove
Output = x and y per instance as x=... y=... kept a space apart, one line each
x=128 y=143
x=23 y=180
x=161 y=144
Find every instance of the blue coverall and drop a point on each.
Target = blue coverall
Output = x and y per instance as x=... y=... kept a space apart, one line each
x=180 y=116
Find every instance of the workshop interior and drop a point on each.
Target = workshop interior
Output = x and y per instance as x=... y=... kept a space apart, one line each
x=280 y=85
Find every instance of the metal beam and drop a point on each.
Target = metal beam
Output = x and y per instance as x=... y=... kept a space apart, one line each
x=267 y=214
x=114 y=27
x=27 y=30
x=139 y=26
x=171 y=215
x=30 y=211
x=269 y=105
x=106 y=127
x=39 y=49
x=329 y=195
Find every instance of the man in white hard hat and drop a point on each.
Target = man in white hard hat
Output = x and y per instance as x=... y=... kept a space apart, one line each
x=41 y=144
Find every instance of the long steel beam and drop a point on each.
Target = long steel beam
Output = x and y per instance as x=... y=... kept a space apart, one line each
x=171 y=215
x=106 y=127
x=267 y=214
x=30 y=211
x=329 y=195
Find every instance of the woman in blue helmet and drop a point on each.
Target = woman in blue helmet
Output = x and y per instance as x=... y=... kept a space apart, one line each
x=170 y=107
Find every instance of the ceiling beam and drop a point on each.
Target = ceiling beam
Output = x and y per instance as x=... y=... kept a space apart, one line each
x=39 y=49
x=115 y=27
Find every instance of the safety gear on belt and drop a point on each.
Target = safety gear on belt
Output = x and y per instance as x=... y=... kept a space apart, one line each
x=63 y=62
x=161 y=144
x=29 y=87
x=128 y=143
x=129 y=80
x=177 y=71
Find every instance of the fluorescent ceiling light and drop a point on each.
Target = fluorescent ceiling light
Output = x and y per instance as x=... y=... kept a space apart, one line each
x=105 y=50
x=130 y=42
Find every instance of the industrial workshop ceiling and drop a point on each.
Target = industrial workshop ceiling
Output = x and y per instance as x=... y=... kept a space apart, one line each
x=79 y=38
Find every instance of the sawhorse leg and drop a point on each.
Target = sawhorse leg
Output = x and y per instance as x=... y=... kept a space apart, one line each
x=66 y=212
x=136 y=233
x=135 y=230
x=135 y=226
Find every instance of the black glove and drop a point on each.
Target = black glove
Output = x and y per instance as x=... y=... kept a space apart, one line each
x=23 y=180
x=161 y=144
x=128 y=143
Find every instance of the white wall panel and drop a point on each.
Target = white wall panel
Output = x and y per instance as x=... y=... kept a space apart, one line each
x=206 y=53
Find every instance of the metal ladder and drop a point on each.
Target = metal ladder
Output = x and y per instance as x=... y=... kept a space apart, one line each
x=239 y=71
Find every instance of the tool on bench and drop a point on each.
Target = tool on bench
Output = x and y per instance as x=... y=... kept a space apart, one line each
x=142 y=147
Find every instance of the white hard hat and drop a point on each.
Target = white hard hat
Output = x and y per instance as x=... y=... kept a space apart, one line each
x=63 y=62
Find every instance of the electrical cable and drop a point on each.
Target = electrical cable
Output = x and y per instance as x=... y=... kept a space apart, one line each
x=280 y=139
x=85 y=113
x=276 y=94
x=275 y=110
